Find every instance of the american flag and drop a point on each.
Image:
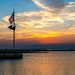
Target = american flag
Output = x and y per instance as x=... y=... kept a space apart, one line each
x=11 y=19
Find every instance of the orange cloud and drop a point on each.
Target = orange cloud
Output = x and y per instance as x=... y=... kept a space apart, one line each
x=58 y=40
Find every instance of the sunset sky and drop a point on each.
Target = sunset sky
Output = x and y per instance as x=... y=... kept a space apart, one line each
x=40 y=24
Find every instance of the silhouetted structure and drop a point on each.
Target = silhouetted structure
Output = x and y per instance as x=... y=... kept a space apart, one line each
x=12 y=26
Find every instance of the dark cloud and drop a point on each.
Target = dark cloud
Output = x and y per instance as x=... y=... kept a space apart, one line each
x=52 y=5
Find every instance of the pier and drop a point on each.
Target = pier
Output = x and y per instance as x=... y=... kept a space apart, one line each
x=8 y=54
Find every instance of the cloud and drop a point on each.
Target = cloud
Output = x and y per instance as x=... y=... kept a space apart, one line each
x=70 y=4
x=51 y=5
x=33 y=19
x=2 y=25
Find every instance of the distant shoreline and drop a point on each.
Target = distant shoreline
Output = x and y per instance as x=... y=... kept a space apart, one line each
x=29 y=51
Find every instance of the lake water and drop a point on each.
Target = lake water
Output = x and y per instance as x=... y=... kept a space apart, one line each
x=51 y=63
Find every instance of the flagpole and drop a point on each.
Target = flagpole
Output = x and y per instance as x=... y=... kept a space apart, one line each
x=14 y=31
x=14 y=39
x=12 y=27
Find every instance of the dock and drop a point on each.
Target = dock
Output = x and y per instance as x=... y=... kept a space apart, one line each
x=10 y=54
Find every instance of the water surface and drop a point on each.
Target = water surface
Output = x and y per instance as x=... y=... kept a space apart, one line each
x=51 y=63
